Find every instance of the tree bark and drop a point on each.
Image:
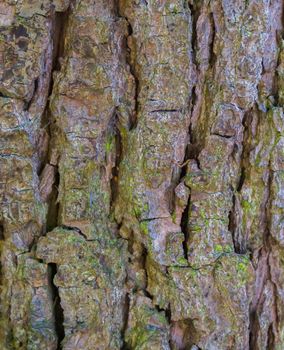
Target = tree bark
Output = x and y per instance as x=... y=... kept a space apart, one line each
x=141 y=173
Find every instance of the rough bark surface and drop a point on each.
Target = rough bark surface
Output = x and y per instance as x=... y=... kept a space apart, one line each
x=142 y=174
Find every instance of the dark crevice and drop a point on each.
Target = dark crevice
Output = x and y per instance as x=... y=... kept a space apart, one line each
x=161 y=310
x=266 y=237
x=60 y=25
x=4 y=96
x=257 y=303
x=223 y=136
x=165 y=110
x=31 y=100
x=212 y=56
x=194 y=99
x=268 y=245
x=232 y=226
x=194 y=147
x=58 y=36
x=57 y=308
x=264 y=266
x=126 y=306
x=241 y=179
x=125 y=320
x=191 y=150
x=143 y=263
x=43 y=142
x=239 y=244
x=246 y=122
x=154 y=218
x=281 y=34
x=167 y=311
x=276 y=87
x=190 y=153
x=125 y=346
x=1 y=239
x=168 y=314
x=184 y=228
x=131 y=65
x=145 y=290
x=273 y=328
x=271 y=338
x=76 y=229
x=43 y=84
x=1 y=232
x=195 y=12
x=253 y=331
x=184 y=335
x=53 y=205
x=118 y=157
x=60 y=21
x=150 y=296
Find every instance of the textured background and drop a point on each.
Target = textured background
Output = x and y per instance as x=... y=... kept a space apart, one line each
x=142 y=174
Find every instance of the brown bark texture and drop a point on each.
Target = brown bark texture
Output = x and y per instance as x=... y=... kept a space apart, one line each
x=141 y=174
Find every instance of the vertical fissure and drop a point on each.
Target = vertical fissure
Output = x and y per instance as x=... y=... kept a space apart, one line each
x=240 y=244
x=129 y=61
x=191 y=150
x=49 y=174
x=233 y=226
x=117 y=159
x=246 y=148
x=184 y=228
x=60 y=22
x=125 y=321
x=59 y=34
x=267 y=243
x=53 y=205
x=212 y=55
x=1 y=239
x=194 y=7
x=1 y=231
x=253 y=330
x=264 y=269
x=57 y=308
x=35 y=91
x=134 y=116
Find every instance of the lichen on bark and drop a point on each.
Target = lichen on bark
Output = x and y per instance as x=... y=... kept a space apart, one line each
x=141 y=170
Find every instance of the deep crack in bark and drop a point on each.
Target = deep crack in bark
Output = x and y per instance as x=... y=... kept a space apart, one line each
x=57 y=309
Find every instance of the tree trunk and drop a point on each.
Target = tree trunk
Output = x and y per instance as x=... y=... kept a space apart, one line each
x=141 y=174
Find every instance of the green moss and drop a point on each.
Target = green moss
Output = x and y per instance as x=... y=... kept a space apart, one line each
x=174 y=217
x=195 y=228
x=40 y=211
x=74 y=239
x=182 y=261
x=218 y=248
x=21 y=272
x=241 y=267
x=223 y=249
x=109 y=144
x=174 y=9
x=203 y=214
x=228 y=248
x=144 y=227
x=246 y=205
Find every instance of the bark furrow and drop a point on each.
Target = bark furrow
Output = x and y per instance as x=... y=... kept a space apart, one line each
x=141 y=173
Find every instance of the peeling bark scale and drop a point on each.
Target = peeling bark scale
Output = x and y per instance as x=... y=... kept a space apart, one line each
x=142 y=174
